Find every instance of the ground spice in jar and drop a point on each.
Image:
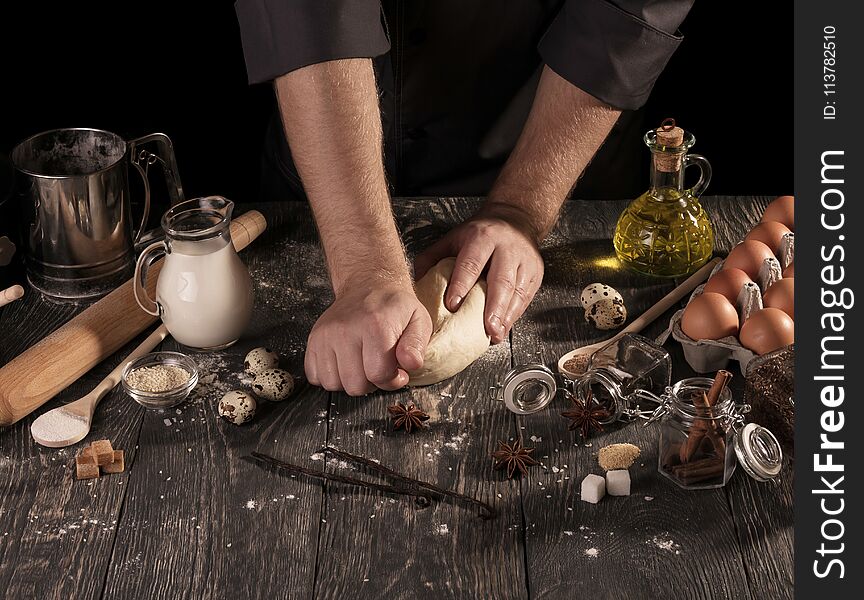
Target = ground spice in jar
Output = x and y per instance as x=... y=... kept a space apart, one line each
x=159 y=378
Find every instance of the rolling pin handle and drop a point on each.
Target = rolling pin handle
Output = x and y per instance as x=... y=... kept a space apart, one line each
x=139 y=283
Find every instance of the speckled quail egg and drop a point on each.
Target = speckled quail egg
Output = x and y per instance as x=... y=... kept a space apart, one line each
x=261 y=359
x=598 y=291
x=237 y=407
x=607 y=313
x=273 y=384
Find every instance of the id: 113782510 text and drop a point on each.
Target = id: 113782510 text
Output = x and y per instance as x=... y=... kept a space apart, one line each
x=829 y=71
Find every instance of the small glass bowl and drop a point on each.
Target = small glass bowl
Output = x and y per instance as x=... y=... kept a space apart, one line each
x=169 y=398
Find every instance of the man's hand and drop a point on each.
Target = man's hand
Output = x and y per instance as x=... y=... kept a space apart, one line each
x=368 y=338
x=376 y=330
x=505 y=243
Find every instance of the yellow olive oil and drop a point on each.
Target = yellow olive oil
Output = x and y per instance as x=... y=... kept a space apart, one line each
x=665 y=232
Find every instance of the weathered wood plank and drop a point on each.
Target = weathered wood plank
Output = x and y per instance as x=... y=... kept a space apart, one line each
x=661 y=540
x=763 y=512
x=178 y=545
x=57 y=533
x=377 y=546
x=200 y=521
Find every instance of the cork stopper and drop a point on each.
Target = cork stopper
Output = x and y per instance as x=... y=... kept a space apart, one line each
x=670 y=136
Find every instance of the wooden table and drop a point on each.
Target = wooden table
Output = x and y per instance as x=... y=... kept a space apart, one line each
x=193 y=518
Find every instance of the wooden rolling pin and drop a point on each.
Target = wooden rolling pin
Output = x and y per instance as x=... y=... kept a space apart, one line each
x=52 y=364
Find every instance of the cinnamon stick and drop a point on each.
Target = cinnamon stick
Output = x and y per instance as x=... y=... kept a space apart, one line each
x=698 y=471
x=706 y=426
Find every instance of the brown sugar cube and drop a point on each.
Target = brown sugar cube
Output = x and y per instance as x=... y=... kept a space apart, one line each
x=117 y=465
x=87 y=451
x=103 y=451
x=85 y=459
x=86 y=467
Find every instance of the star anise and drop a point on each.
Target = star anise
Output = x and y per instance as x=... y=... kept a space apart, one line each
x=586 y=416
x=513 y=456
x=410 y=417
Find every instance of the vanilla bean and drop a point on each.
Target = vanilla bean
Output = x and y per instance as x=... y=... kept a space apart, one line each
x=486 y=511
x=421 y=490
x=422 y=499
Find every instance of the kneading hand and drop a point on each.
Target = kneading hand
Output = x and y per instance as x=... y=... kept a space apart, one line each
x=368 y=338
x=515 y=267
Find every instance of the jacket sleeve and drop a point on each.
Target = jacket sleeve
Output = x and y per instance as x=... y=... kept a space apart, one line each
x=614 y=49
x=280 y=36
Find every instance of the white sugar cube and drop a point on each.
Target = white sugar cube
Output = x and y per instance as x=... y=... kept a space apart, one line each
x=593 y=488
x=618 y=482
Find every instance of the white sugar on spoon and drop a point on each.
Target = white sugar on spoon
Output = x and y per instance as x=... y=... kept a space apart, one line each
x=69 y=424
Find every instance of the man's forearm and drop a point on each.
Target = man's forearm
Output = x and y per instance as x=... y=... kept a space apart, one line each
x=333 y=124
x=563 y=132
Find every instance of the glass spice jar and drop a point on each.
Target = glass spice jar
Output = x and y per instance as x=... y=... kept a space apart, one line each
x=623 y=372
x=700 y=445
x=618 y=376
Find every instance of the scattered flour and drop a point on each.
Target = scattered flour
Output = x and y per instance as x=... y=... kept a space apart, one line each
x=665 y=543
x=210 y=386
x=592 y=552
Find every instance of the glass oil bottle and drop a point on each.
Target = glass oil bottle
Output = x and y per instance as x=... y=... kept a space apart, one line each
x=665 y=232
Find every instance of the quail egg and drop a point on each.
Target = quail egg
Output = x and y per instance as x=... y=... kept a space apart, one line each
x=237 y=407
x=261 y=359
x=608 y=313
x=273 y=384
x=598 y=291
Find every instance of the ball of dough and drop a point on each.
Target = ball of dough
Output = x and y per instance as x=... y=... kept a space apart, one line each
x=260 y=359
x=459 y=338
x=273 y=384
x=237 y=407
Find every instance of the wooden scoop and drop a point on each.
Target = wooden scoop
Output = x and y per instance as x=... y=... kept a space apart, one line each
x=640 y=322
x=69 y=424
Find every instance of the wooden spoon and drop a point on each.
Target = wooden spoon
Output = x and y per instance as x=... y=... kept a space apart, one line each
x=638 y=324
x=69 y=424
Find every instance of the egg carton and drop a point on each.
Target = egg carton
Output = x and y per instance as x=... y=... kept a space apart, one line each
x=708 y=356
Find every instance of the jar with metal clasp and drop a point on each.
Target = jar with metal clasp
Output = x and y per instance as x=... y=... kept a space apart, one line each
x=618 y=376
x=700 y=445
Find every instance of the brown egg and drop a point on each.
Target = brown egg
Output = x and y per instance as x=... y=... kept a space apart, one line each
x=789 y=271
x=709 y=316
x=769 y=233
x=728 y=283
x=782 y=210
x=767 y=330
x=748 y=256
x=781 y=295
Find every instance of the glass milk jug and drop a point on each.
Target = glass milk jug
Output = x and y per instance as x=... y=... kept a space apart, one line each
x=665 y=232
x=204 y=292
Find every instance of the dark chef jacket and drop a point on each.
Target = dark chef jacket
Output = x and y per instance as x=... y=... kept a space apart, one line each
x=457 y=77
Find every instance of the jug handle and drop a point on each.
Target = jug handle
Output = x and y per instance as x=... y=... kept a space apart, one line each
x=142 y=158
x=139 y=281
x=704 y=172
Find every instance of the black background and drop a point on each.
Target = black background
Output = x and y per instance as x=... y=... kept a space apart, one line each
x=177 y=67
